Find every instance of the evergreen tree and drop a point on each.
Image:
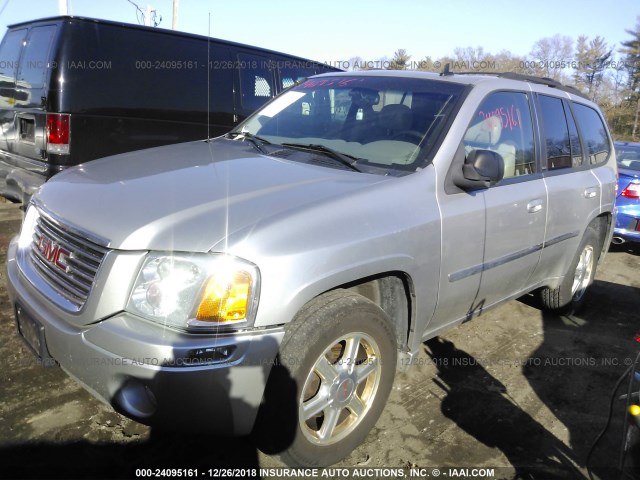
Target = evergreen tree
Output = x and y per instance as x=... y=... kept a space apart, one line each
x=631 y=50
x=591 y=58
x=400 y=60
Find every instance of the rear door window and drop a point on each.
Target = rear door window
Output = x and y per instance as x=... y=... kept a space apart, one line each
x=594 y=134
x=556 y=133
x=35 y=59
x=577 y=159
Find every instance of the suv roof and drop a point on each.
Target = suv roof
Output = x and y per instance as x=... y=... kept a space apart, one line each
x=473 y=78
x=550 y=82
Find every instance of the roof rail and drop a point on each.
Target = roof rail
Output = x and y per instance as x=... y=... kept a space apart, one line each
x=549 y=82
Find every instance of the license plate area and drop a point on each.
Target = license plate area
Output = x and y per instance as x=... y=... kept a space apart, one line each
x=32 y=332
x=27 y=130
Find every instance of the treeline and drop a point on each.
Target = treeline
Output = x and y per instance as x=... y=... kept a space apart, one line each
x=608 y=75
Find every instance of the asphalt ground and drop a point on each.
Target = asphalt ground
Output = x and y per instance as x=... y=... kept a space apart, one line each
x=515 y=393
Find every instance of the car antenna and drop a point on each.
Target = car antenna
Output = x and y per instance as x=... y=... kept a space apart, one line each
x=208 y=73
x=446 y=71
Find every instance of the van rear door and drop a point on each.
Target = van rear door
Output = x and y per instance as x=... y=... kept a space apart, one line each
x=25 y=69
x=9 y=57
x=31 y=92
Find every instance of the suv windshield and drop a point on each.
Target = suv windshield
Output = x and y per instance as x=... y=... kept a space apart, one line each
x=387 y=122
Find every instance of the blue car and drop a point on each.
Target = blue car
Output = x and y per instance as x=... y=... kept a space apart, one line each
x=628 y=199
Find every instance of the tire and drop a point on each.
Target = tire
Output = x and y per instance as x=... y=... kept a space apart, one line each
x=631 y=451
x=340 y=355
x=569 y=296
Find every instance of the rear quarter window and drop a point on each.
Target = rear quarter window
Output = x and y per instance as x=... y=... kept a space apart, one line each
x=256 y=80
x=594 y=134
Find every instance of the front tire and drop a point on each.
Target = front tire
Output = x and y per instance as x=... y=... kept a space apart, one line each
x=340 y=351
x=569 y=296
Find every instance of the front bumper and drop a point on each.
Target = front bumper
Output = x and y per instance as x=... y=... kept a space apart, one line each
x=155 y=375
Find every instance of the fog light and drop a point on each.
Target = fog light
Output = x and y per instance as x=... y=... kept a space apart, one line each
x=205 y=356
x=136 y=399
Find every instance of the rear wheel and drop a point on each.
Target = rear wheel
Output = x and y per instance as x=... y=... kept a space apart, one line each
x=569 y=296
x=340 y=352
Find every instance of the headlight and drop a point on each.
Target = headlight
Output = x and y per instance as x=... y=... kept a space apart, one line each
x=196 y=291
x=28 y=227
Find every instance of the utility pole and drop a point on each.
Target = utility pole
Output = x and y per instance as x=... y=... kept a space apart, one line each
x=147 y=16
x=174 y=21
x=63 y=7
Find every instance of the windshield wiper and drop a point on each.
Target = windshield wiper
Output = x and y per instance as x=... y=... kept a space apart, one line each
x=254 y=139
x=343 y=158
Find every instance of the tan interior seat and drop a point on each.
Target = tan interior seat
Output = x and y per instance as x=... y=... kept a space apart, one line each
x=488 y=132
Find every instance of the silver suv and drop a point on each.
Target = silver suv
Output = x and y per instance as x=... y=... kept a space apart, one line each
x=272 y=279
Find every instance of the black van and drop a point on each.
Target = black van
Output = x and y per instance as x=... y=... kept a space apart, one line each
x=76 y=89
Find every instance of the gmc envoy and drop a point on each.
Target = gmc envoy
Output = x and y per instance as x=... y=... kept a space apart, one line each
x=272 y=279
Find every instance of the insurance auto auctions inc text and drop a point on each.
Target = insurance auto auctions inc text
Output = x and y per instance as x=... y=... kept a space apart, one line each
x=374 y=473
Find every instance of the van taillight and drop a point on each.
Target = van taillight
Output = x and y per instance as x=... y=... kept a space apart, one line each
x=58 y=133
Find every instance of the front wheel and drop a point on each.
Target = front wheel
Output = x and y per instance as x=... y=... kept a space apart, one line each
x=569 y=296
x=340 y=352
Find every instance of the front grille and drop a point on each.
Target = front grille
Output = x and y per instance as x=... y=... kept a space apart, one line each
x=65 y=260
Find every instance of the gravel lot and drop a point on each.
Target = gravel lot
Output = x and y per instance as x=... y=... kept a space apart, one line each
x=519 y=391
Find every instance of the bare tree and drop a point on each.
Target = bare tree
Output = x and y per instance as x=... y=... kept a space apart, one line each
x=468 y=58
x=588 y=64
x=551 y=57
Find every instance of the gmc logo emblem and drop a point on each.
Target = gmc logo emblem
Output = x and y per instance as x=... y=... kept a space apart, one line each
x=53 y=252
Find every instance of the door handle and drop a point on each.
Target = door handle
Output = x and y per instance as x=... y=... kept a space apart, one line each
x=590 y=192
x=534 y=206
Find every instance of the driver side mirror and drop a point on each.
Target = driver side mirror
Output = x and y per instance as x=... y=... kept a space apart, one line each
x=481 y=169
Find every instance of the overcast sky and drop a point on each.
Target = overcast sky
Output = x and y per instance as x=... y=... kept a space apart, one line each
x=334 y=30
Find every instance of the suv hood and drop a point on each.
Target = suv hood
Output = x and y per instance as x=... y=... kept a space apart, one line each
x=191 y=196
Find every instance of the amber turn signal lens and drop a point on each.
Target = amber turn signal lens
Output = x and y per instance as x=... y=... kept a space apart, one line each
x=225 y=299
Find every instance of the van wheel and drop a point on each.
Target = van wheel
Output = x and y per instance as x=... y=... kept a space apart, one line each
x=570 y=295
x=340 y=351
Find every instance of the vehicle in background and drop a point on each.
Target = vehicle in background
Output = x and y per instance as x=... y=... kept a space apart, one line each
x=76 y=89
x=628 y=199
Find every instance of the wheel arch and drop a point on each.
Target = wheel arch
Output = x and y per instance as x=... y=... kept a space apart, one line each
x=394 y=293
x=603 y=225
